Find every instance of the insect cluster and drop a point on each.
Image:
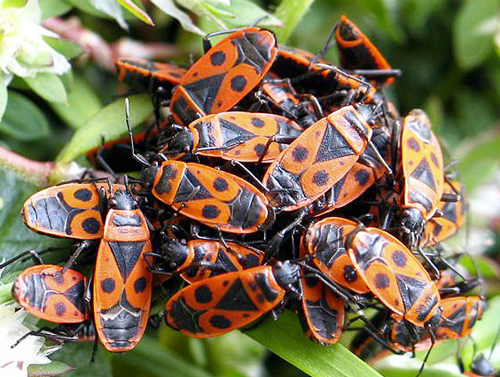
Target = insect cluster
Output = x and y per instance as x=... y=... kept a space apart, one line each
x=277 y=181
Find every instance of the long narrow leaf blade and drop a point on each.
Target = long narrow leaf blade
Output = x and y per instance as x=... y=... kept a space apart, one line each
x=285 y=338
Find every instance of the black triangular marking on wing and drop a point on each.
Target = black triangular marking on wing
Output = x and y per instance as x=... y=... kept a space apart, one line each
x=236 y=298
x=126 y=255
x=224 y=262
x=232 y=133
x=203 y=92
x=333 y=145
x=186 y=317
x=76 y=296
x=250 y=52
x=186 y=191
x=410 y=289
x=423 y=173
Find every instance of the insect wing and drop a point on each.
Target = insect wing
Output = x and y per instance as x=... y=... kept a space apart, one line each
x=223 y=303
x=422 y=163
x=48 y=294
x=317 y=159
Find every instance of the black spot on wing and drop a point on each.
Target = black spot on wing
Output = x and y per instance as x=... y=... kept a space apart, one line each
x=108 y=285
x=399 y=258
x=218 y=58
x=210 y=211
x=238 y=83
x=140 y=284
x=220 y=322
x=83 y=194
x=91 y=225
x=203 y=294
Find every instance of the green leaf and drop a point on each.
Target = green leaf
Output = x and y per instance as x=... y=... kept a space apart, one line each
x=290 y=12
x=242 y=12
x=151 y=359
x=233 y=354
x=488 y=269
x=48 y=86
x=473 y=29
x=14 y=3
x=15 y=237
x=3 y=98
x=136 y=11
x=108 y=123
x=55 y=368
x=5 y=292
x=69 y=49
x=285 y=338
x=410 y=368
x=53 y=8
x=23 y=120
x=83 y=103
x=78 y=355
x=87 y=7
x=170 y=7
x=479 y=159
x=417 y=13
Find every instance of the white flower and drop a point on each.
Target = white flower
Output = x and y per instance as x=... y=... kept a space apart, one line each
x=14 y=362
x=23 y=52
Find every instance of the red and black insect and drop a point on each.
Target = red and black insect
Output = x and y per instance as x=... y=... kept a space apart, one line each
x=459 y=314
x=49 y=293
x=451 y=219
x=224 y=75
x=395 y=276
x=210 y=196
x=223 y=303
x=322 y=311
x=423 y=173
x=240 y=136
x=122 y=281
x=197 y=260
x=357 y=52
x=321 y=156
x=324 y=244
x=364 y=174
x=69 y=211
x=157 y=78
x=321 y=79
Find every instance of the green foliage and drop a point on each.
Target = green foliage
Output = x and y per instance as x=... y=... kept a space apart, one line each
x=136 y=11
x=446 y=50
x=285 y=338
x=23 y=120
x=48 y=86
x=55 y=368
x=473 y=29
x=107 y=124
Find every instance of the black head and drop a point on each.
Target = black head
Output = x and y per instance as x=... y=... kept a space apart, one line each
x=122 y=200
x=482 y=367
x=175 y=252
x=412 y=223
x=148 y=175
x=286 y=273
x=182 y=141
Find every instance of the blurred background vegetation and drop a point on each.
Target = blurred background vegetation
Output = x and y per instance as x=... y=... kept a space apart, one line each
x=448 y=51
